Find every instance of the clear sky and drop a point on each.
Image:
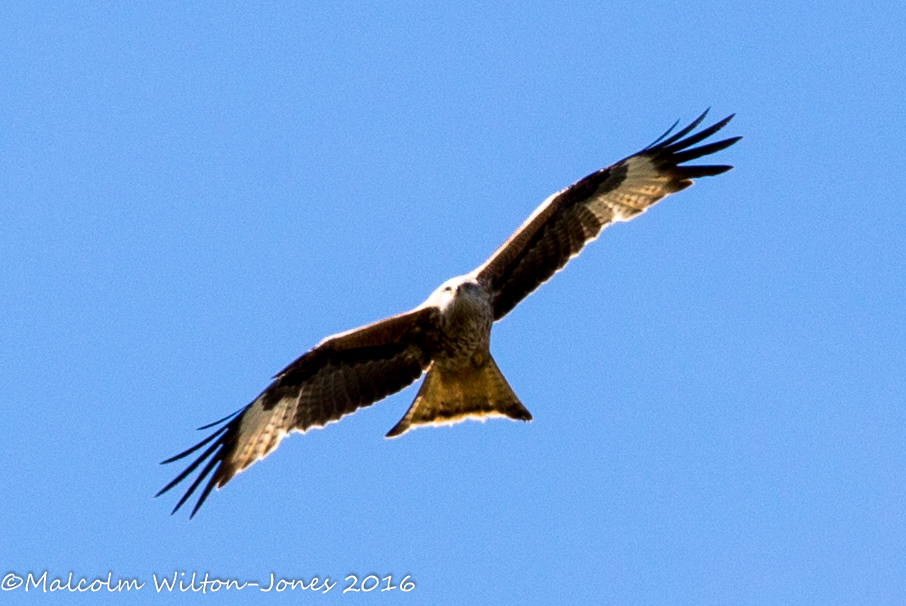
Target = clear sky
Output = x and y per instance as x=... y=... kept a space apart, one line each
x=191 y=197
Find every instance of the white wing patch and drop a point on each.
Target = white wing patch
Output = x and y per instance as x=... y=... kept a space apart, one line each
x=260 y=431
x=642 y=187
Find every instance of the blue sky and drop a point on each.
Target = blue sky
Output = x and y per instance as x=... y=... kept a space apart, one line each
x=192 y=196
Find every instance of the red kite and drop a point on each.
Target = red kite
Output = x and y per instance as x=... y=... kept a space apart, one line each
x=449 y=335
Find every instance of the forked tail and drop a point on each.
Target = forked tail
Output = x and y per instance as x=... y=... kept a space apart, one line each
x=474 y=392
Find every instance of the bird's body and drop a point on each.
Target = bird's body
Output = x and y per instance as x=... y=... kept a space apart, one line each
x=448 y=336
x=464 y=321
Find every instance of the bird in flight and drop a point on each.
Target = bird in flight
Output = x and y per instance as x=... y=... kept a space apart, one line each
x=449 y=335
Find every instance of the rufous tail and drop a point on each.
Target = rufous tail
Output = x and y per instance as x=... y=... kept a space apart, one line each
x=473 y=392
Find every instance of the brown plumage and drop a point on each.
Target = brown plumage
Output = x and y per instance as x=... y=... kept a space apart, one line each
x=449 y=334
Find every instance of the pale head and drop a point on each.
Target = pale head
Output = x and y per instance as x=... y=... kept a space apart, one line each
x=457 y=293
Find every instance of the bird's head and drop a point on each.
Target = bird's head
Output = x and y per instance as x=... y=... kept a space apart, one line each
x=458 y=293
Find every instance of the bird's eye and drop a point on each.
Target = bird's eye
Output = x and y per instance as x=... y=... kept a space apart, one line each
x=448 y=289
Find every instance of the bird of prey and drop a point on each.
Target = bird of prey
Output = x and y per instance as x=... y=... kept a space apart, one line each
x=448 y=336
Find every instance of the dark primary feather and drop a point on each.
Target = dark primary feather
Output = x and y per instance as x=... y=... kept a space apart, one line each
x=217 y=453
x=559 y=229
x=340 y=375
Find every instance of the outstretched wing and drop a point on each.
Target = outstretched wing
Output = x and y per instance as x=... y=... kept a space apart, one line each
x=566 y=221
x=341 y=374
